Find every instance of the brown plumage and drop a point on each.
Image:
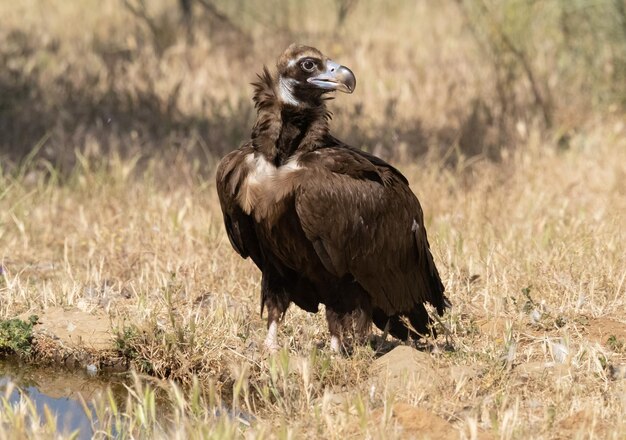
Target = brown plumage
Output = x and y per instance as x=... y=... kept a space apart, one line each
x=324 y=222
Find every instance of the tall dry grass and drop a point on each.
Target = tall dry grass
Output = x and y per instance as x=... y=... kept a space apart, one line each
x=110 y=129
x=464 y=76
x=530 y=250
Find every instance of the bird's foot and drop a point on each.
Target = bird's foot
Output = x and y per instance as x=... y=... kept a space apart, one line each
x=271 y=347
x=271 y=342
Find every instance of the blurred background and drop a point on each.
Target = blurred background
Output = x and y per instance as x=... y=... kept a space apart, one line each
x=87 y=79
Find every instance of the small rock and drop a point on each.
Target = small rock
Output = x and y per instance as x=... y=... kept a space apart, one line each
x=237 y=415
x=559 y=351
x=82 y=305
x=126 y=293
x=618 y=372
x=535 y=316
x=404 y=366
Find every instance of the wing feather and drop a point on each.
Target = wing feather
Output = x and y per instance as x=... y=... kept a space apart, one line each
x=363 y=220
x=230 y=174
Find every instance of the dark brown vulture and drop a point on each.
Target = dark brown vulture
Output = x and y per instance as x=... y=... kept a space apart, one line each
x=325 y=222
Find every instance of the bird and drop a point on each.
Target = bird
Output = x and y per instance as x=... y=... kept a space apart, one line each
x=325 y=223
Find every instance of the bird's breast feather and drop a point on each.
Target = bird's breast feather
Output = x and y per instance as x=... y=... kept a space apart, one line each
x=266 y=186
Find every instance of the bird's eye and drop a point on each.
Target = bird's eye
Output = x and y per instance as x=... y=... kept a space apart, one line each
x=308 y=65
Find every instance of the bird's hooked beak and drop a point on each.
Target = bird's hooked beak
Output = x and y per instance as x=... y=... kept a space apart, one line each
x=336 y=77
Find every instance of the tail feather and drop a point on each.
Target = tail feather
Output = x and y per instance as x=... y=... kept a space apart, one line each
x=418 y=318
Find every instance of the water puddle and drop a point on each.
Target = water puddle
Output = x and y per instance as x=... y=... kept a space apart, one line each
x=66 y=392
x=59 y=390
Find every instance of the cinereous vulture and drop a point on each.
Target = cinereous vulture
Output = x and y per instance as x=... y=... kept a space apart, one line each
x=325 y=223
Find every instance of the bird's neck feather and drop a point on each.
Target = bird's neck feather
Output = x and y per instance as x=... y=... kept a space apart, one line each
x=281 y=130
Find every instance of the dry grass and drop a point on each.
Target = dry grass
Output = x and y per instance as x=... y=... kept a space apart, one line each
x=545 y=220
x=530 y=247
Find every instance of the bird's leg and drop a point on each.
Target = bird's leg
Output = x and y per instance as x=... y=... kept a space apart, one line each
x=274 y=315
x=271 y=340
x=335 y=325
x=275 y=298
x=362 y=323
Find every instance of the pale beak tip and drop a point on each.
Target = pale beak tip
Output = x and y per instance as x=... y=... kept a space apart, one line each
x=346 y=77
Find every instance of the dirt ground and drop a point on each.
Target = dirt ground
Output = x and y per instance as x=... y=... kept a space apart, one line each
x=70 y=336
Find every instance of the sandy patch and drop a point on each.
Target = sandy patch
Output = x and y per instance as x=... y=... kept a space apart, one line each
x=76 y=328
x=495 y=327
x=601 y=329
x=418 y=423
x=73 y=337
x=582 y=424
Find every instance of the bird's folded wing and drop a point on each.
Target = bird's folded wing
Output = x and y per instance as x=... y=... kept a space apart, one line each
x=239 y=226
x=364 y=221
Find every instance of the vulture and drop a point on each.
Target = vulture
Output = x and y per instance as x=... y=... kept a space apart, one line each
x=325 y=223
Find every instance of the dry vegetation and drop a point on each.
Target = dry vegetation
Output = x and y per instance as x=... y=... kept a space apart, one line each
x=508 y=122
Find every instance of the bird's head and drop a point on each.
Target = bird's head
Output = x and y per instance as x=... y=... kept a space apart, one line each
x=305 y=75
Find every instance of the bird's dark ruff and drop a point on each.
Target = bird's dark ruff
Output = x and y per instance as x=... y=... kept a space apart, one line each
x=325 y=222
